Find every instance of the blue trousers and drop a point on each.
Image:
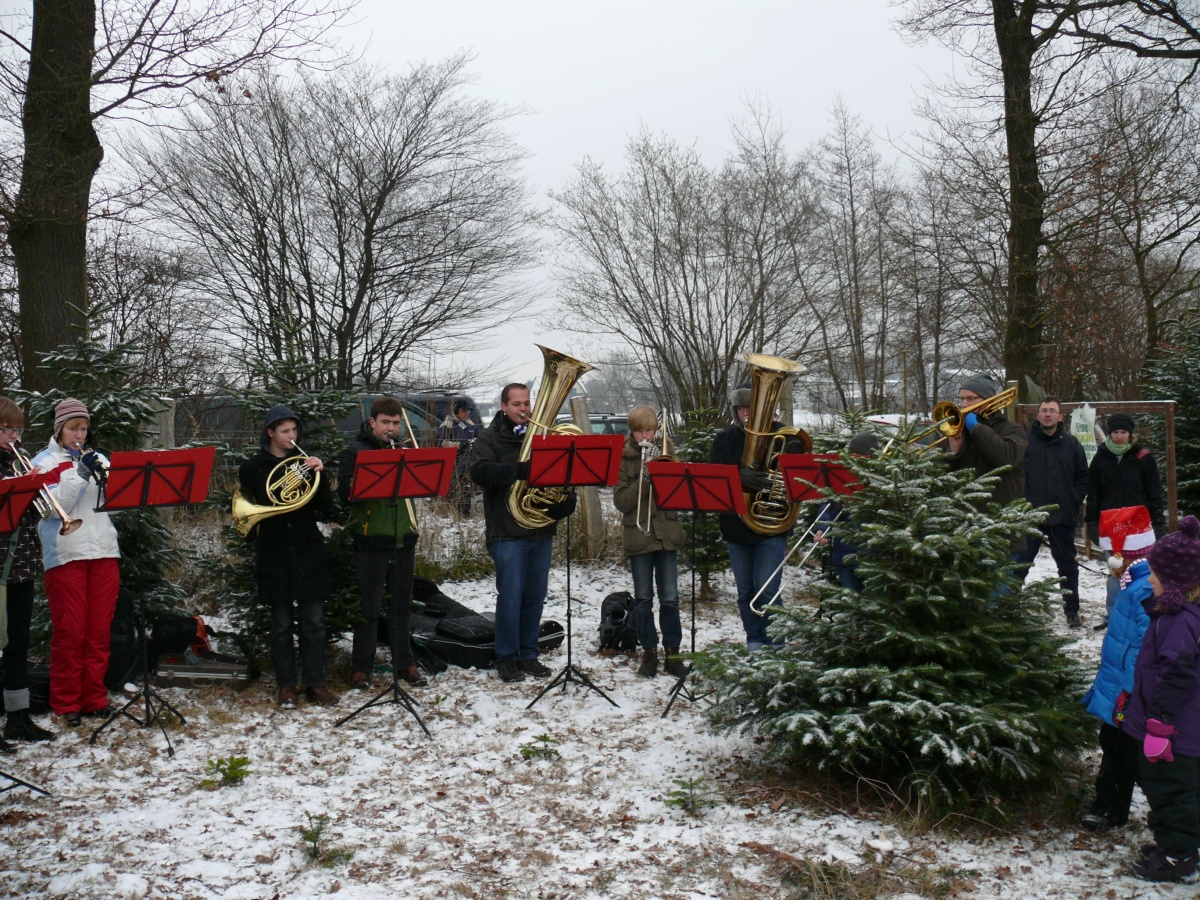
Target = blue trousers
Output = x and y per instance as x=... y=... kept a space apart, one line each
x=658 y=566
x=522 y=576
x=752 y=566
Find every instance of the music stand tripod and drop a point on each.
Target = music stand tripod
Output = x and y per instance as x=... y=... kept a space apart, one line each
x=568 y=460
x=695 y=488
x=15 y=496
x=137 y=480
x=399 y=475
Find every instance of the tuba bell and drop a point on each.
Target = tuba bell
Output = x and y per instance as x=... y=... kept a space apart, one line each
x=289 y=487
x=559 y=373
x=769 y=511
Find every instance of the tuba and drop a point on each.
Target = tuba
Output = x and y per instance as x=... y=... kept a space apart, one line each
x=769 y=511
x=559 y=374
x=289 y=487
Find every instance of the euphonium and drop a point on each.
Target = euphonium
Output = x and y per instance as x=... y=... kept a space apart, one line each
x=559 y=374
x=768 y=511
x=288 y=487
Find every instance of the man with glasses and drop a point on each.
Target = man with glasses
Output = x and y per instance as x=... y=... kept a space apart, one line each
x=989 y=442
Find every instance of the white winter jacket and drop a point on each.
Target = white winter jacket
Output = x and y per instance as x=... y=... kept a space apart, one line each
x=96 y=538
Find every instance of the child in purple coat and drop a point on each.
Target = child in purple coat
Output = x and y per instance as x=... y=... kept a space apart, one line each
x=1164 y=711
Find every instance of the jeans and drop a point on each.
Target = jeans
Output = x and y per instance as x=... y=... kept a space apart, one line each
x=379 y=569
x=1062 y=548
x=848 y=577
x=658 y=566
x=752 y=566
x=310 y=623
x=522 y=576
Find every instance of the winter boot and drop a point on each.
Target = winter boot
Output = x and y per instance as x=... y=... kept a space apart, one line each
x=1163 y=866
x=19 y=727
x=673 y=665
x=649 y=666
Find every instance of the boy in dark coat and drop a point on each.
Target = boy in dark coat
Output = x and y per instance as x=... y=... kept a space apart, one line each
x=1056 y=474
x=290 y=562
x=1164 y=711
x=1122 y=474
x=385 y=553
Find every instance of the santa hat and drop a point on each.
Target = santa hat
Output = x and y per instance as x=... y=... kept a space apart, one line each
x=1126 y=533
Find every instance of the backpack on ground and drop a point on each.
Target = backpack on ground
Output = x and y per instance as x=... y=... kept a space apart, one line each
x=616 y=622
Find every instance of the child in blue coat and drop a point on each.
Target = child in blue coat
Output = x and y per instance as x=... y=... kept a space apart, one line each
x=1109 y=696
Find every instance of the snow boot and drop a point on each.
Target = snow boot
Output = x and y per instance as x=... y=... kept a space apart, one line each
x=649 y=666
x=673 y=665
x=19 y=727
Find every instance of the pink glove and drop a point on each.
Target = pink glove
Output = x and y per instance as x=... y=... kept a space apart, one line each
x=1157 y=743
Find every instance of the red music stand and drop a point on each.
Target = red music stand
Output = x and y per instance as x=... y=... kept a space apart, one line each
x=15 y=496
x=136 y=480
x=404 y=473
x=811 y=476
x=695 y=487
x=571 y=461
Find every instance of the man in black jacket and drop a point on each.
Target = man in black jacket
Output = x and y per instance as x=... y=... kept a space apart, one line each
x=290 y=560
x=521 y=555
x=385 y=554
x=1056 y=475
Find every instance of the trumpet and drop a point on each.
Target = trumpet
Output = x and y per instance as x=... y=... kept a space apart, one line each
x=44 y=502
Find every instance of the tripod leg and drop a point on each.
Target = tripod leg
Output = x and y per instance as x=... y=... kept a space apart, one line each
x=21 y=783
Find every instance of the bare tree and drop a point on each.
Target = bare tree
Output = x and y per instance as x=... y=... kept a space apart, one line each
x=1151 y=29
x=349 y=218
x=75 y=61
x=691 y=267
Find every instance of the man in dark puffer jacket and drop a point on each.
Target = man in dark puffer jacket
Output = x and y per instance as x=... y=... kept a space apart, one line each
x=1056 y=474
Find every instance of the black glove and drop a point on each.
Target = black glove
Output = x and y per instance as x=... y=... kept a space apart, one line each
x=90 y=464
x=754 y=481
x=409 y=540
x=1094 y=534
x=523 y=470
x=563 y=508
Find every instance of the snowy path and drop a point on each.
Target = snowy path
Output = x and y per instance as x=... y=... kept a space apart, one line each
x=465 y=815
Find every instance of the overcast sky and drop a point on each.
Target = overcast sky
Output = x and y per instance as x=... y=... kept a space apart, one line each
x=591 y=75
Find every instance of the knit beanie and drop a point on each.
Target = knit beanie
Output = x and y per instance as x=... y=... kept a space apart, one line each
x=69 y=409
x=1175 y=560
x=981 y=385
x=864 y=444
x=740 y=396
x=1121 y=422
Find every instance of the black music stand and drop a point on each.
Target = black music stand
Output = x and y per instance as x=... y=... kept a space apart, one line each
x=136 y=480
x=696 y=488
x=569 y=460
x=401 y=474
x=15 y=496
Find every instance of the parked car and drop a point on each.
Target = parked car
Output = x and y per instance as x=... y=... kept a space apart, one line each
x=602 y=423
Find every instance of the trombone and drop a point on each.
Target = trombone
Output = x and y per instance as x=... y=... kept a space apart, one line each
x=45 y=503
x=950 y=420
x=663 y=456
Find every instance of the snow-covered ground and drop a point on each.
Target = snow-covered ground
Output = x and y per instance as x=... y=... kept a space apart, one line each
x=466 y=815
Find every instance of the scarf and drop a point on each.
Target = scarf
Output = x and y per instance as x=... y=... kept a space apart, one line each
x=1117 y=450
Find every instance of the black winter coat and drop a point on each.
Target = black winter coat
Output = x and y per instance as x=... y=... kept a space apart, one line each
x=1131 y=480
x=27 y=562
x=993 y=443
x=1056 y=473
x=494 y=468
x=727 y=449
x=289 y=548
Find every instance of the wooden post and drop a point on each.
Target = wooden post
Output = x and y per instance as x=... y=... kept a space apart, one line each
x=592 y=539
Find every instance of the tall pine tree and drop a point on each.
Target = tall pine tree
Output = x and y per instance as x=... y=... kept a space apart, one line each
x=943 y=677
x=1175 y=375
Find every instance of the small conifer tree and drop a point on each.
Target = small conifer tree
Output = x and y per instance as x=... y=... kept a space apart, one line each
x=707 y=554
x=943 y=677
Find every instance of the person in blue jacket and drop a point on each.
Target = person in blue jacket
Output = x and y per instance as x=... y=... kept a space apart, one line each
x=1109 y=696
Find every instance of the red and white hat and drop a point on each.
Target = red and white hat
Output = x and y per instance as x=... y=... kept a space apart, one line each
x=1126 y=533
